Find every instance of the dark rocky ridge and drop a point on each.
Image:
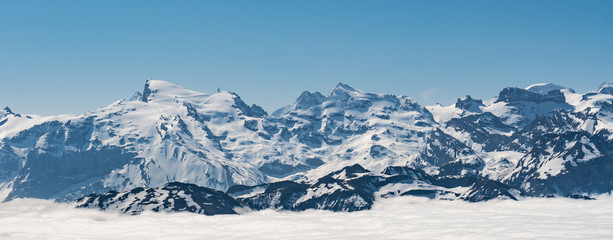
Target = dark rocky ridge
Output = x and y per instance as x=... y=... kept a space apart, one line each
x=352 y=188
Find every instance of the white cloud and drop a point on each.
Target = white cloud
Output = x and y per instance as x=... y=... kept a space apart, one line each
x=397 y=218
x=429 y=93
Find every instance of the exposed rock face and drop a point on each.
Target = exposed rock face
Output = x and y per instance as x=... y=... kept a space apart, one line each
x=512 y=94
x=467 y=103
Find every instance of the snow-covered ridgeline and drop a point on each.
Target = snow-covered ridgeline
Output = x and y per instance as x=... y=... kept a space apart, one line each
x=539 y=136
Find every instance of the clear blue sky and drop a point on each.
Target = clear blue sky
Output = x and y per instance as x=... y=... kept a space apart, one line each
x=73 y=56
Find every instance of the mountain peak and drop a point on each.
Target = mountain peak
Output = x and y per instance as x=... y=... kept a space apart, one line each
x=468 y=103
x=340 y=85
x=159 y=90
x=137 y=96
x=8 y=110
x=342 y=90
x=606 y=88
x=308 y=99
x=544 y=88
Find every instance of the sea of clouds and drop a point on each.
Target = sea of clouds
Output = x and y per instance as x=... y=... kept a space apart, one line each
x=395 y=218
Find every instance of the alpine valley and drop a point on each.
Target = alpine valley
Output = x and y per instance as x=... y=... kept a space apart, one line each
x=173 y=149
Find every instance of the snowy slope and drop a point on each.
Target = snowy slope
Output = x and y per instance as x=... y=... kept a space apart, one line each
x=544 y=88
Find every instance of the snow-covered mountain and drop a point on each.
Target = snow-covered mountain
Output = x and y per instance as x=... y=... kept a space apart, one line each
x=539 y=141
x=544 y=140
x=171 y=197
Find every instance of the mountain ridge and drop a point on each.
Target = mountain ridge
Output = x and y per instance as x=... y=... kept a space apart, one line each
x=171 y=134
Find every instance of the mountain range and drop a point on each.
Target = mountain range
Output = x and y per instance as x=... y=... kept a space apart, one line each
x=172 y=149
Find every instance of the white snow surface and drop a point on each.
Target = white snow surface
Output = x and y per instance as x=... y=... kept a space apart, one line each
x=499 y=164
x=444 y=113
x=544 y=88
x=394 y=218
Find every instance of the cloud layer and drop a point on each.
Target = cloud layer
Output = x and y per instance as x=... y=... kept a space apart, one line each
x=397 y=218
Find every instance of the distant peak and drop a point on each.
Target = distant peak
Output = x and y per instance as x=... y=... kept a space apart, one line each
x=545 y=88
x=8 y=110
x=158 y=89
x=606 y=84
x=137 y=96
x=308 y=99
x=466 y=98
x=469 y=104
x=340 y=85
x=146 y=91
x=341 y=90
x=606 y=88
x=158 y=84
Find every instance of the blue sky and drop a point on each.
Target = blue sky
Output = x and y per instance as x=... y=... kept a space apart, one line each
x=73 y=56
